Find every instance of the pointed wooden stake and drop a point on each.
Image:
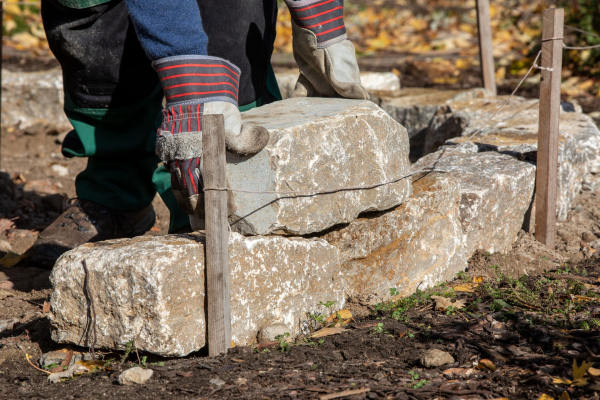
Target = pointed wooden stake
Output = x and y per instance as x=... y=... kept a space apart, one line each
x=547 y=156
x=217 y=236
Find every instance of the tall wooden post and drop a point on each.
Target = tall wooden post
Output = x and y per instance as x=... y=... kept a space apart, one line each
x=547 y=157
x=486 y=53
x=217 y=235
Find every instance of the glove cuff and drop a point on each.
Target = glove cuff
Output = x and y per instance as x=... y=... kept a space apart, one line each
x=324 y=18
x=191 y=80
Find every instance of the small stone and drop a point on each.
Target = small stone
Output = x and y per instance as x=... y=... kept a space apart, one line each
x=217 y=382
x=435 y=358
x=588 y=237
x=135 y=375
x=379 y=376
x=270 y=333
x=7 y=324
x=60 y=170
x=56 y=357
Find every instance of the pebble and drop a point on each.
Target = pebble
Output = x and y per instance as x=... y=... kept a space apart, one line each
x=435 y=358
x=217 y=382
x=269 y=333
x=60 y=170
x=135 y=375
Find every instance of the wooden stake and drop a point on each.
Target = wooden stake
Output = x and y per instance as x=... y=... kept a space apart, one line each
x=547 y=156
x=486 y=53
x=217 y=236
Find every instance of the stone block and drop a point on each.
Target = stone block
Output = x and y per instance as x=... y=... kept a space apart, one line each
x=318 y=144
x=496 y=191
x=415 y=245
x=514 y=132
x=151 y=290
x=29 y=98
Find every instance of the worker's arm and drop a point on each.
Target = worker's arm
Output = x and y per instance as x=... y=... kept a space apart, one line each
x=194 y=84
x=325 y=57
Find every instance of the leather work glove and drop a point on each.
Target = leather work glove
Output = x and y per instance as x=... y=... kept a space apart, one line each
x=325 y=57
x=195 y=86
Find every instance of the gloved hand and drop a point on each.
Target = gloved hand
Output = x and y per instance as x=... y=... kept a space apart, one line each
x=195 y=86
x=325 y=57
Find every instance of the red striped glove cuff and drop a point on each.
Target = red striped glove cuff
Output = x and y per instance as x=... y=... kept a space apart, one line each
x=190 y=80
x=324 y=18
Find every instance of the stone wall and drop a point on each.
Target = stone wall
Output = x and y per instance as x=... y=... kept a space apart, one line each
x=349 y=246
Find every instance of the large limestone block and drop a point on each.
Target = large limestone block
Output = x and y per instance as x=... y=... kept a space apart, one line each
x=414 y=108
x=33 y=97
x=151 y=290
x=318 y=144
x=415 y=245
x=514 y=131
x=496 y=192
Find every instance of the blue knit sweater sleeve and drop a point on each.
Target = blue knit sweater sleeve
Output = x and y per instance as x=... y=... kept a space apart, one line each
x=168 y=28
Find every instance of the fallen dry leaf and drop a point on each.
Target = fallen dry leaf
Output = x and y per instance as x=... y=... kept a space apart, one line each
x=92 y=365
x=593 y=371
x=564 y=396
x=467 y=287
x=46 y=307
x=67 y=360
x=266 y=345
x=580 y=371
x=444 y=303
x=5 y=224
x=458 y=371
x=342 y=314
x=545 y=397
x=327 y=332
x=10 y=259
x=478 y=279
x=486 y=364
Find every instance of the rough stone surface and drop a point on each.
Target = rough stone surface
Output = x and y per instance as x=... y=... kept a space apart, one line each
x=270 y=333
x=514 y=132
x=414 y=108
x=433 y=358
x=496 y=192
x=151 y=290
x=318 y=144
x=135 y=375
x=31 y=97
x=418 y=244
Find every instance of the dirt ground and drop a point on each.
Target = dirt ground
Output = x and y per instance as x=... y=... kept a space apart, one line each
x=513 y=323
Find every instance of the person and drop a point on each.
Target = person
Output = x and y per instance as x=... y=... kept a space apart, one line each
x=120 y=58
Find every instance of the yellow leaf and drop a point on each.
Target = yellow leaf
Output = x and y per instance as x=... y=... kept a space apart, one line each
x=580 y=371
x=92 y=365
x=580 y=382
x=10 y=259
x=545 y=397
x=564 y=396
x=501 y=73
x=486 y=364
x=464 y=288
x=342 y=314
x=562 y=381
x=232 y=344
x=478 y=279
